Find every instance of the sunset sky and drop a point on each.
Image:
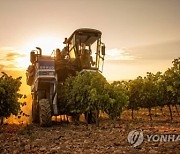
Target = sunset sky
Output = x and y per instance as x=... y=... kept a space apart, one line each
x=140 y=35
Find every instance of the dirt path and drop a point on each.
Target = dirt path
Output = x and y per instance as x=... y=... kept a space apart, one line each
x=110 y=137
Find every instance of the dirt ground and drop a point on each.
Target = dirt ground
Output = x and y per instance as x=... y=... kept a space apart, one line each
x=109 y=137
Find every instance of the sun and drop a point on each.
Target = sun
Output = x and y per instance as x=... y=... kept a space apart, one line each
x=46 y=43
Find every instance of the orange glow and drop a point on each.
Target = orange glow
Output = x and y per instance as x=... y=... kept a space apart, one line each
x=46 y=43
x=23 y=119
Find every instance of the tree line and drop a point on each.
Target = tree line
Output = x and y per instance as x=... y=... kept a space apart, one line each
x=155 y=90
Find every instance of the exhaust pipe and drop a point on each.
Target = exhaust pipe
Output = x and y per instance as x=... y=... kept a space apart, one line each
x=40 y=50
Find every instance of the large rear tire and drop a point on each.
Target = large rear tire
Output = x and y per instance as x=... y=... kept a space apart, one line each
x=35 y=112
x=45 y=113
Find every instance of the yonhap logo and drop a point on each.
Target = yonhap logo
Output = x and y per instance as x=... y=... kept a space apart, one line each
x=135 y=137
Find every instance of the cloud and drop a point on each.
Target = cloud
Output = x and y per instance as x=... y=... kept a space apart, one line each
x=12 y=56
x=118 y=54
x=8 y=67
x=1 y=67
x=9 y=58
x=160 y=51
x=8 y=53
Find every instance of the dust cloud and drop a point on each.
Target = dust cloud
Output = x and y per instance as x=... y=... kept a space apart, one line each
x=20 y=119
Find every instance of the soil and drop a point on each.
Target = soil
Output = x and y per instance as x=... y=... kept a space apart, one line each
x=109 y=137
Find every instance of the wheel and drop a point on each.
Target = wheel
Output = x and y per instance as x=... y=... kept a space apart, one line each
x=35 y=112
x=45 y=113
x=75 y=118
x=90 y=117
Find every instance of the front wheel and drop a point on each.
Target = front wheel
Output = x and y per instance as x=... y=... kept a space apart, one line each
x=45 y=113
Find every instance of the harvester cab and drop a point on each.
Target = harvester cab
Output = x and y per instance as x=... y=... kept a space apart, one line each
x=85 y=49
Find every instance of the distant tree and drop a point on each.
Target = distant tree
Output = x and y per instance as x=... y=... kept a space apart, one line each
x=171 y=86
x=150 y=95
x=117 y=99
x=9 y=96
x=155 y=90
x=135 y=91
x=176 y=77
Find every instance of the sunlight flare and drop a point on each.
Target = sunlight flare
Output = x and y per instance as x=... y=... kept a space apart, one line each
x=46 y=43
